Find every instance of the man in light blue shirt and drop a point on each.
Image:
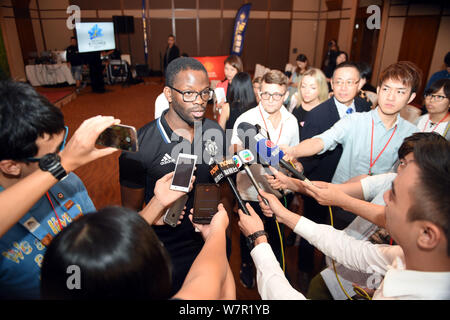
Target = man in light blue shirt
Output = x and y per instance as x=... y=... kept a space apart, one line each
x=355 y=134
x=370 y=140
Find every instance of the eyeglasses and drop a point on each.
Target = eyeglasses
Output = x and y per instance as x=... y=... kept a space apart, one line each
x=349 y=83
x=61 y=148
x=275 y=96
x=191 y=96
x=436 y=97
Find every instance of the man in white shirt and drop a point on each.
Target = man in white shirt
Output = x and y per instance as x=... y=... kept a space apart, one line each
x=417 y=217
x=282 y=128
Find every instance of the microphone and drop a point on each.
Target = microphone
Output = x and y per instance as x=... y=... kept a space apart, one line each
x=257 y=133
x=263 y=132
x=242 y=159
x=274 y=156
x=224 y=169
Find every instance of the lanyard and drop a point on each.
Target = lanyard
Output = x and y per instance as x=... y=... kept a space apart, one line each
x=267 y=129
x=371 y=164
x=437 y=125
x=53 y=207
x=39 y=231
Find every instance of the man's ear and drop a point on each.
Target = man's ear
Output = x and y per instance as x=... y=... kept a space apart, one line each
x=168 y=94
x=429 y=236
x=10 y=167
x=411 y=98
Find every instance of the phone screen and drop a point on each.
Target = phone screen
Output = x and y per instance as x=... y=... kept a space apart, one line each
x=183 y=172
x=119 y=137
x=206 y=200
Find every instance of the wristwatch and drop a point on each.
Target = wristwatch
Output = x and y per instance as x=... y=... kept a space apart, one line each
x=252 y=237
x=51 y=162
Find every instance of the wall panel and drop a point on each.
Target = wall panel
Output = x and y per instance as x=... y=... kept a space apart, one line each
x=159 y=30
x=210 y=42
x=279 y=39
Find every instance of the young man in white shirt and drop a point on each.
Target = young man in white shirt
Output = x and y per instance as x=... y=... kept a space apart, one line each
x=417 y=218
x=282 y=128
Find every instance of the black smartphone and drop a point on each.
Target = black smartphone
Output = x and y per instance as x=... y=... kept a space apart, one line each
x=172 y=214
x=206 y=200
x=119 y=136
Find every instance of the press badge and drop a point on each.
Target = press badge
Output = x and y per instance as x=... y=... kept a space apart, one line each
x=31 y=224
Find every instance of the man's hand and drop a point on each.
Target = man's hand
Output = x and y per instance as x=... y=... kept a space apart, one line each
x=164 y=194
x=325 y=193
x=274 y=207
x=278 y=180
x=219 y=222
x=160 y=220
x=81 y=147
x=282 y=214
x=289 y=152
x=297 y=164
x=249 y=223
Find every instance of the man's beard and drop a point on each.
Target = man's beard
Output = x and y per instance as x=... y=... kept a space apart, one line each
x=184 y=116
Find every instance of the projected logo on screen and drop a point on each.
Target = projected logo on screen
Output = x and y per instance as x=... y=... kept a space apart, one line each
x=95 y=32
x=95 y=36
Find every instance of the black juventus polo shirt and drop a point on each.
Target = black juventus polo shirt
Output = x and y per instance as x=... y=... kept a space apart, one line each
x=159 y=147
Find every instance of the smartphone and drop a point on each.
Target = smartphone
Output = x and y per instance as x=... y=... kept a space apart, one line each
x=183 y=172
x=206 y=200
x=172 y=214
x=119 y=136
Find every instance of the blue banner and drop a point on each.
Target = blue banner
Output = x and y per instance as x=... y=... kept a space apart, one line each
x=240 y=25
x=144 y=26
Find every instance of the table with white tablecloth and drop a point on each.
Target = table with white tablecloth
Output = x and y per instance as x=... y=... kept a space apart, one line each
x=48 y=74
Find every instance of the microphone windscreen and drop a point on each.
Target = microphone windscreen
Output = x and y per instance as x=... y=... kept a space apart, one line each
x=247 y=132
x=246 y=156
x=244 y=126
x=269 y=152
x=237 y=161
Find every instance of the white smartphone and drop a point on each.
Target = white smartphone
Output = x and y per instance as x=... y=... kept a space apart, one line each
x=183 y=172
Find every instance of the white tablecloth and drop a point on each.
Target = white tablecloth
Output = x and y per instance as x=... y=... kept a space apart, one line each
x=48 y=74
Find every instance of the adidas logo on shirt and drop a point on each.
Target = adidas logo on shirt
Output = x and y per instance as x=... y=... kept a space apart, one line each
x=166 y=159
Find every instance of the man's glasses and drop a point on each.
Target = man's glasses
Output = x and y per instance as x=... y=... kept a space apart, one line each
x=436 y=97
x=61 y=147
x=191 y=96
x=349 y=83
x=275 y=96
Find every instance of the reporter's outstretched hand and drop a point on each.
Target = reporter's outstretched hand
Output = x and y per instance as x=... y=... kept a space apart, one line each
x=81 y=147
x=280 y=181
x=249 y=223
x=167 y=197
x=274 y=207
x=219 y=222
x=164 y=194
x=325 y=193
x=288 y=152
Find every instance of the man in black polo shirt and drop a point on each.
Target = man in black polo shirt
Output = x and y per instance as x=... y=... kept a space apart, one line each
x=181 y=128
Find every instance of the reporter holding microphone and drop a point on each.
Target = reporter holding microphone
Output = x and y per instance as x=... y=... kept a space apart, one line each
x=282 y=128
x=417 y=268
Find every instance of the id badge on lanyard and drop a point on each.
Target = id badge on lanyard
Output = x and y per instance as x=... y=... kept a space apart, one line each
x=39 y=231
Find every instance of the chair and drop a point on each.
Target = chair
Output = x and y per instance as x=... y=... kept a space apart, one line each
x=117 y=71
